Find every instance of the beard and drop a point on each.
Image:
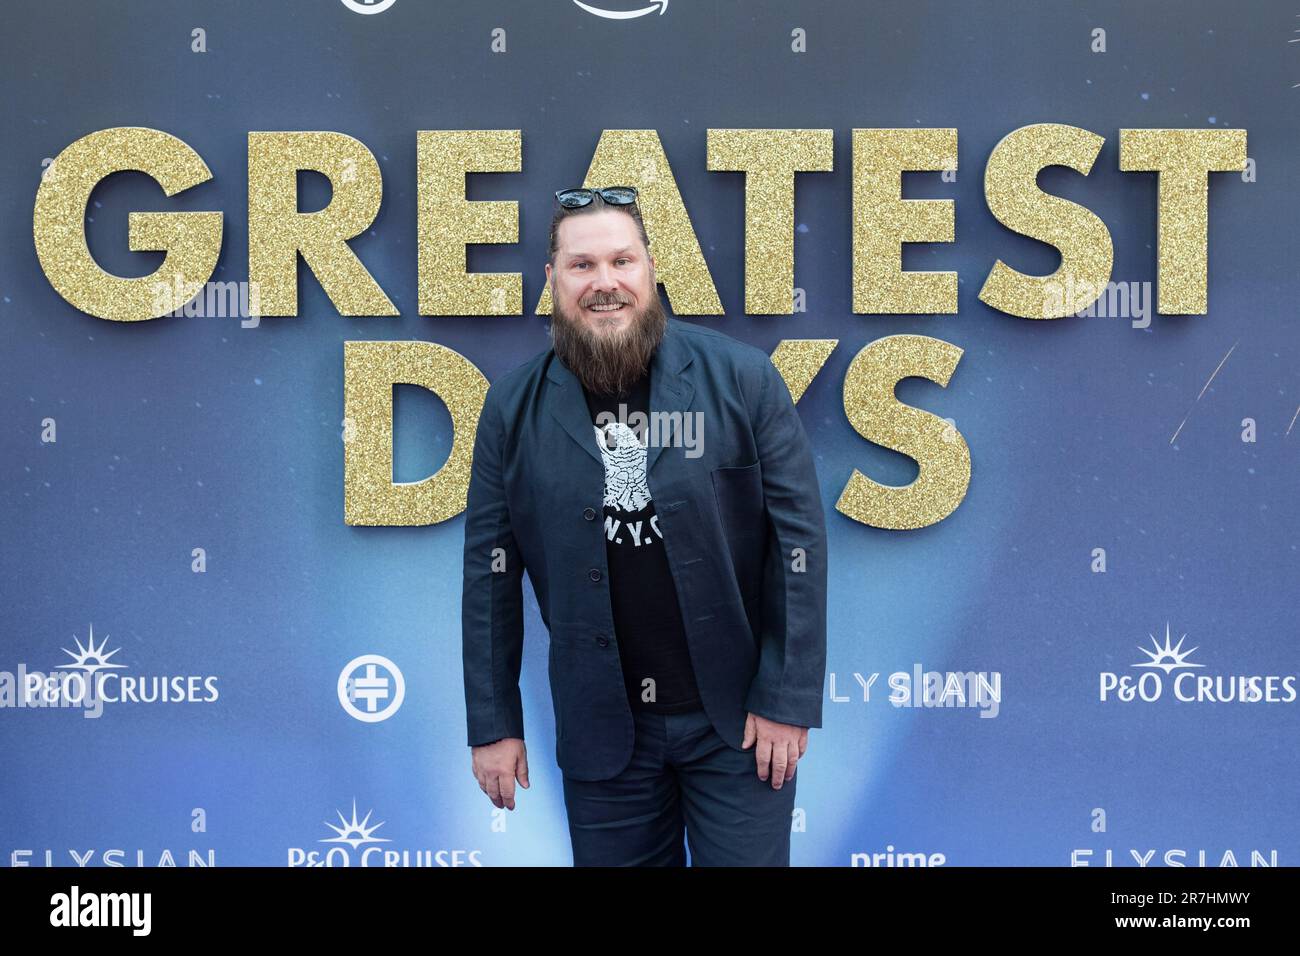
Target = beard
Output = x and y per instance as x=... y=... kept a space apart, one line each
x=607 y=363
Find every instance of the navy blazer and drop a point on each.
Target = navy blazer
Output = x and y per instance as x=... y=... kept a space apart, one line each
x=732 y=519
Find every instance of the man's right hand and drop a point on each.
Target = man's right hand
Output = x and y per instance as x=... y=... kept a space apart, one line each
x=496 y=765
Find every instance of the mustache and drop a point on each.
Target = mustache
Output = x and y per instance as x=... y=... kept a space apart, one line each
x=607 y=364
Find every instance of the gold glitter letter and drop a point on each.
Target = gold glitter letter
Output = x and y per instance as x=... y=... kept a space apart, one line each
x=1013 y=196
x=770 y=158
x=635 y=157
x=799 y=361
x=192 y=240
x=277 y=231
x=882 y=221
x=448 y=221
x=1183 y=158
x=877 y=415
x=370 y=370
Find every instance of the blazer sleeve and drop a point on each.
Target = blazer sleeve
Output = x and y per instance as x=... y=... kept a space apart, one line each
x=492 y=622
x=788 y=685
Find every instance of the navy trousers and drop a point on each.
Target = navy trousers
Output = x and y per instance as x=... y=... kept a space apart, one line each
x=682 y=776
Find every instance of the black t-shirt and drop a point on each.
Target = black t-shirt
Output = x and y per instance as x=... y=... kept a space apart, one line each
x=647 y=619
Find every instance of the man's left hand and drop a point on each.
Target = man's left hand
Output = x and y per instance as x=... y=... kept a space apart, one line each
x=779 y=747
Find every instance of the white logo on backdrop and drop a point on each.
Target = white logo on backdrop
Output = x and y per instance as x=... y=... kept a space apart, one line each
x=1170 y=667
x=94 y=679
x=1168 y=658
x=368 y=6
x=354 y=844
x=362 y=688
x=354 y=832
x=660 y=6
x=90 y=658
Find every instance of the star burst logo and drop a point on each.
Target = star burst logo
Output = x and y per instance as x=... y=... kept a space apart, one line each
x=354 y=832
x=1168 y=658
x=91 y=658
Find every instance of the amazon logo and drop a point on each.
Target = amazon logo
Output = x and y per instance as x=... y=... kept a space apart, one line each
x=659 y=6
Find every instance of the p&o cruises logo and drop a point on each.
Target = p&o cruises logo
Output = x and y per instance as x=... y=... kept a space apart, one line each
x=94 y=679
x=1171 y=667
x=354 y=843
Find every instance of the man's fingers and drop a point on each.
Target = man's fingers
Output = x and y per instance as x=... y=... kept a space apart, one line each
x=749 y=733
x=498 y=768
x=780 y=760
x=763 y=756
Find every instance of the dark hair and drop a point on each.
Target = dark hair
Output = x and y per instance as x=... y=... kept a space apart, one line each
x=596 y=205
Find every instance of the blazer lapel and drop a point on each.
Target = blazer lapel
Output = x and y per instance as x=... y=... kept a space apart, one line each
x=670 y=391
x=569 y=408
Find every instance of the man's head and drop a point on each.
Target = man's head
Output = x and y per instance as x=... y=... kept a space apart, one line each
x=606 y=317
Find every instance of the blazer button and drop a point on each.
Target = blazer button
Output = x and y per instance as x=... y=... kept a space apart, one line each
x=603 y=641
x=594 y=574
x=590 y=514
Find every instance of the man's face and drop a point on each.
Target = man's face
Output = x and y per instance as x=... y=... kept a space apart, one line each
x=602 y=275
x=606 y=317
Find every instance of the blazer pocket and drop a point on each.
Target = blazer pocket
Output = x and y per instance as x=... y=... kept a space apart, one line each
x=738 y=490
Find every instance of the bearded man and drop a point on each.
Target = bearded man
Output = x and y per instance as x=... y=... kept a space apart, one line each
x=654 y=480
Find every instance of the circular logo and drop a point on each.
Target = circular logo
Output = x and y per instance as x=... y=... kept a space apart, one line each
x=371 y=688
x=368 y=6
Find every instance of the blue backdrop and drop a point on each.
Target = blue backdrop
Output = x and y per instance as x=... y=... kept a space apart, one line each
x=184 y=433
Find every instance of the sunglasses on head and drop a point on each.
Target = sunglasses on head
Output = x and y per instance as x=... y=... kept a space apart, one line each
x=613 y=195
